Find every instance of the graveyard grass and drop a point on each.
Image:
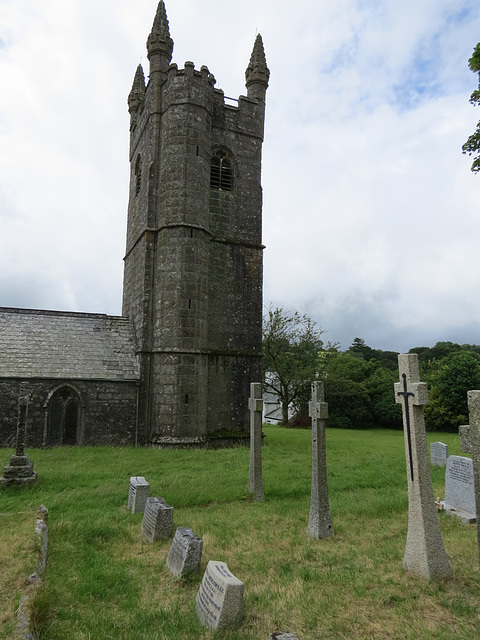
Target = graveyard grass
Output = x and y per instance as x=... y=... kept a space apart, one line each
x=105 y=581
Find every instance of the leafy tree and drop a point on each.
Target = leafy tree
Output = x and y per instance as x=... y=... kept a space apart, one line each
x=454 y=376
x=291 y=344
x=472 y=145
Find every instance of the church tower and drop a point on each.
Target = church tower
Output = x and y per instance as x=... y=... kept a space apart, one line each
x=193 y=263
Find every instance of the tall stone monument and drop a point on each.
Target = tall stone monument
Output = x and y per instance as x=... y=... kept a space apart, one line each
x=19 y=470
x=424 y=552
x=255 y=404
x=193 y=262
x=470 y=443
x=319 y=522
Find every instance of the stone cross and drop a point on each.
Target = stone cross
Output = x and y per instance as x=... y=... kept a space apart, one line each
x=20 y=470
x=424 y=551
x=255 y=404
x=471 y=442
x=319 y=522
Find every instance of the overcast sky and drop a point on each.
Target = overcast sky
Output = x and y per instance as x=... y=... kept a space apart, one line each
x=371 y=213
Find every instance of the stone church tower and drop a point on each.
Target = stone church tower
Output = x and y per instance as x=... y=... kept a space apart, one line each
x=193 y=262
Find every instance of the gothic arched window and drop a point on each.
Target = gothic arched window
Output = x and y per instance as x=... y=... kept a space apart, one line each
x=221 y=171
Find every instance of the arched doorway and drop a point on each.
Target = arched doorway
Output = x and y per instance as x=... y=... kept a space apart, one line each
x=64 y=418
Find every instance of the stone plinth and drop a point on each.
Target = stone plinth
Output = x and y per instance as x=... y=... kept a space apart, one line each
x=18 y=471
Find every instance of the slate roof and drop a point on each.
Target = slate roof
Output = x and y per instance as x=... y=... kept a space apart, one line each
x=58 y=344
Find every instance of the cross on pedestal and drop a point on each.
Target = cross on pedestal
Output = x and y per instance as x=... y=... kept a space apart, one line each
x=20 y=470
x=255 y=404
x=319 y=522
x=424 y=551
x=470 y=443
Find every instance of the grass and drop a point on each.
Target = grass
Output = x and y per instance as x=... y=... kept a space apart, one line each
x=104 y=581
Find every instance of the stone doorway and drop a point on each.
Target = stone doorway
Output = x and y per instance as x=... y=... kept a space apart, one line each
x=64 y=418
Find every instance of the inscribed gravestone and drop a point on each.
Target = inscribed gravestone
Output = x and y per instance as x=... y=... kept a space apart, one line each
x=459 y=488
x=438 y=454
x=185 y=554
x=157 y=521
x=138 y=494
x=220 y=597
x=255 y=404
x=319 y=521
x=424 y=550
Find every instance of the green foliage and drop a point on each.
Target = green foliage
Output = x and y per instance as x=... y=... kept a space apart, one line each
x=472 y=145
x=290 y=357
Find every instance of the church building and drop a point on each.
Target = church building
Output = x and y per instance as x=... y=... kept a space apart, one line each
x=174 y=370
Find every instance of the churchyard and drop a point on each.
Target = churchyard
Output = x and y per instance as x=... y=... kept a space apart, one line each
x=104 y=579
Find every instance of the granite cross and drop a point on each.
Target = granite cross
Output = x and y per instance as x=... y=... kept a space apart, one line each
x=255 y=404
x=470 y=443
x=424 y=551
x=319 y=522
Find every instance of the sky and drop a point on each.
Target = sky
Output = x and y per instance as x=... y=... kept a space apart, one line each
x=371 y=213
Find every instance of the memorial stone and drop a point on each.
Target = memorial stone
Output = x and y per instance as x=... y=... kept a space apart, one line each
x=473 y=398
x=19 y=470
x=438 y=454
x=220 y=597
x=157 y=521
x=424 y=551
x=459 y=489
x=138 y=494
x=319 y=522
x=255 y=404
x=185 y=555
x=282 y=635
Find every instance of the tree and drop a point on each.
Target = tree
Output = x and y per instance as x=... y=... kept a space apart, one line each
x=291 y=344
x=472 y=145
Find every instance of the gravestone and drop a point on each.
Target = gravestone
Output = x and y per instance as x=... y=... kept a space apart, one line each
x=438 y=454
x=185 y=555
x=220 y=597
x=282 y=635
x=319 y=521
x=472 y=440
x=459 y=489
x=157 y=521
x=19 y=470
x=424 y=551
x=255 y=404
x=138 y=494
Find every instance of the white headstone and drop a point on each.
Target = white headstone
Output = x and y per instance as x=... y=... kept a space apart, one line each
x=138 y=494
x=460 y=488
x=185 y=554
x=157 y=521
x=220 y=597
x=438 y=454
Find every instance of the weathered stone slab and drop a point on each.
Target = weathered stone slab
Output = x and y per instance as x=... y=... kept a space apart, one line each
x=460 y=488
x=138 y=494
x=282 y=635
x=157 y=521
x=185 y=554
x=438 y=454
x=220 y=597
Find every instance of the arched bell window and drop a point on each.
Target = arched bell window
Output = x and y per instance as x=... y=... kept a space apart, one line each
x=221 y=171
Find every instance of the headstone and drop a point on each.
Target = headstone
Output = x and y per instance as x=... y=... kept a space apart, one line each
x=282 y=635
x=424 y=551
x=473 y=439
x=185 y=555
x=255 y=404
x=459 y=489
x=157 y=521
x=220 y=597
x=438 y=454
x=138 y=494
x=19 y=470
x=319 y=522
